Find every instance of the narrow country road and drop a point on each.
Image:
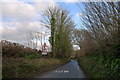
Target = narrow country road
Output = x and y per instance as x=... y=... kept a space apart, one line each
x=69 y=70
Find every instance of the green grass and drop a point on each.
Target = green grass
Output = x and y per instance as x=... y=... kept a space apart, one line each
x=32 y=56
x=27 y=68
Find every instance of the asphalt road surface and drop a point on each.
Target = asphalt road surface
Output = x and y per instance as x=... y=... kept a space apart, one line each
x=69 y=70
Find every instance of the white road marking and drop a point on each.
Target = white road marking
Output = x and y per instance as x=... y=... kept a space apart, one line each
x=61 y=71
x=66 y=71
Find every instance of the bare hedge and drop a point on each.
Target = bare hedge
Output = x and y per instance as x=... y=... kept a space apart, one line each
x=10 y=49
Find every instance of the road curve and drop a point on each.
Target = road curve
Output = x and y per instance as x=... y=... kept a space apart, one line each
x=69 y=70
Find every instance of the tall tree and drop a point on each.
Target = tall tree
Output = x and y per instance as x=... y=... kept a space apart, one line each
x=61 y=25
x=102 y=20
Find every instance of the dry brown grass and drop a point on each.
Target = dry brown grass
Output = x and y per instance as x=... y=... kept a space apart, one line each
x=22 y=67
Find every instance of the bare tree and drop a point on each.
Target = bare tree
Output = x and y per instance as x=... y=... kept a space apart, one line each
x=102 y=20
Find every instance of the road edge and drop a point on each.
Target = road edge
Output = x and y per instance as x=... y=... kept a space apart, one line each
x=80 y=66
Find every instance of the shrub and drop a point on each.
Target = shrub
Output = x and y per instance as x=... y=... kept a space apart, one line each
x=10 y=49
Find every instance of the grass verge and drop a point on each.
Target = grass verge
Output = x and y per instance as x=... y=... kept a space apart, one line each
x=27 y=68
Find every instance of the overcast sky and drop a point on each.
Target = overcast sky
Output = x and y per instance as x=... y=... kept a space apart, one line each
x=19 y=17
